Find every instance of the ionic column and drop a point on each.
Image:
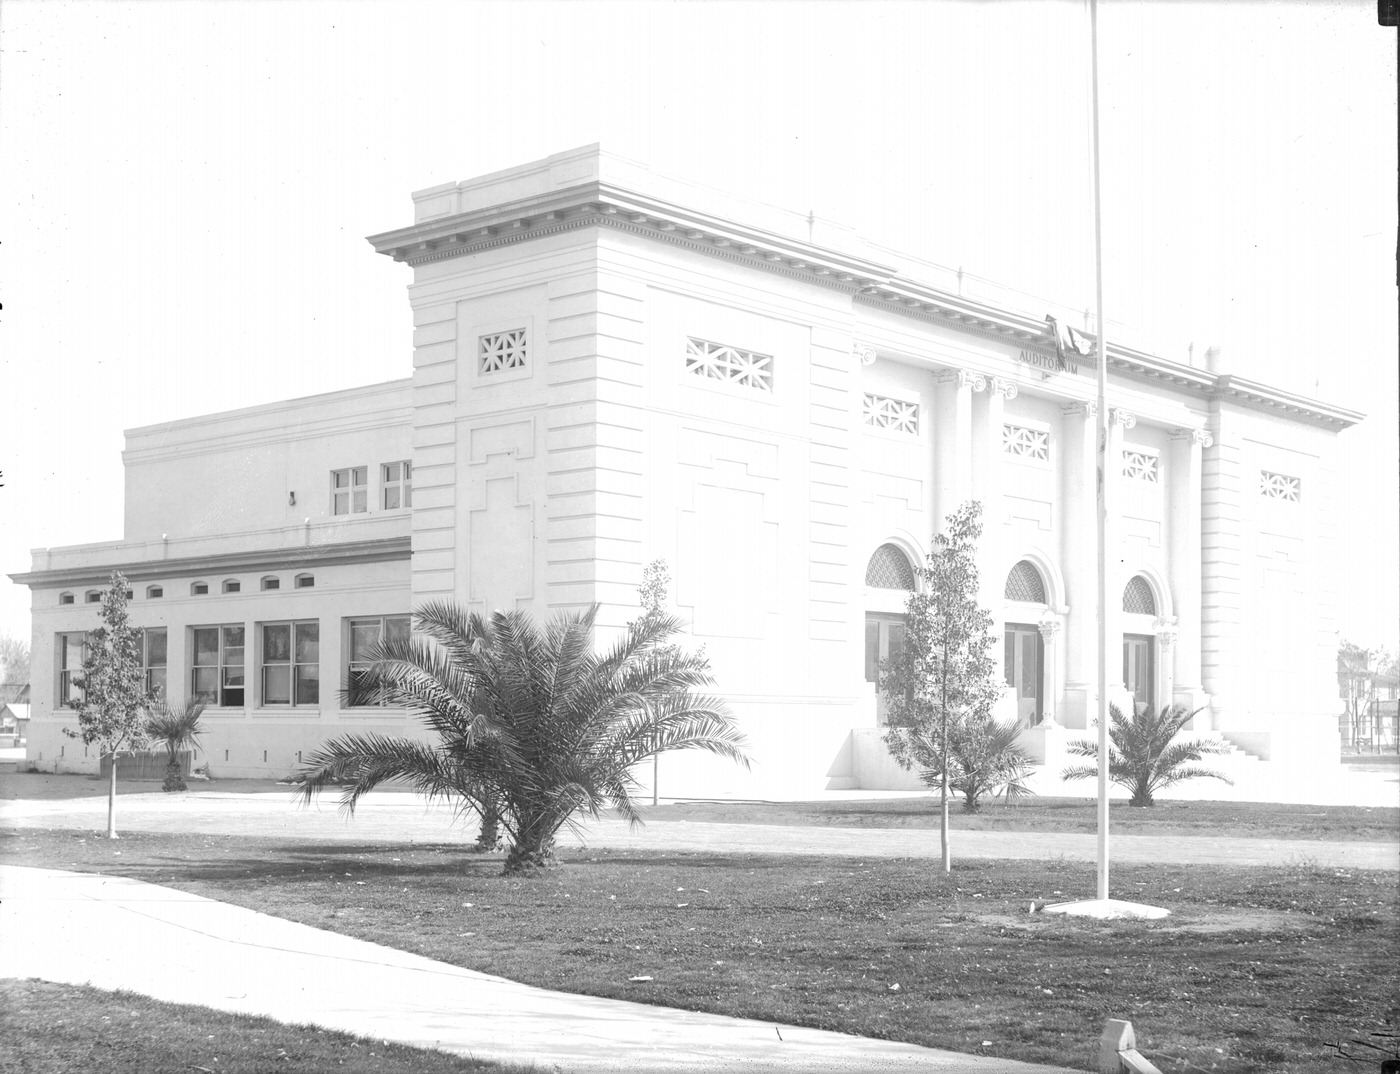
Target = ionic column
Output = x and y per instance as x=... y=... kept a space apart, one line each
x=987 y=462
x=1078 y=559
x=1183 y=477
x=1049 y=631
x=952 y=440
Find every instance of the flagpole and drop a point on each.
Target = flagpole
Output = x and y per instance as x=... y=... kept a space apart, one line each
x=1105 y=473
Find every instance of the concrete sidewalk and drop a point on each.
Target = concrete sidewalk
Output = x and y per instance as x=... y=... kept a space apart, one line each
x=116 y=933
x=395 y=816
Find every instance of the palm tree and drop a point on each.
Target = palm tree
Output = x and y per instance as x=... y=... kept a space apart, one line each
x=985 y=759
x=177 y=727
x=528 y=724
x=1142 y=757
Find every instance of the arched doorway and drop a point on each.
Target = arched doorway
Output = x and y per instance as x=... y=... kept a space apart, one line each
x=1024 y=647
x=1139 y=647
x=889 y=579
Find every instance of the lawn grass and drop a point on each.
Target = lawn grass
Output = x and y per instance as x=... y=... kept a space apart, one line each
x=56 y=1028
x=1167 y=818
x=1256 y=969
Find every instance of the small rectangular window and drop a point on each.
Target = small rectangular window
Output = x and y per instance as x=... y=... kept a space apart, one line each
x=65 y=598
x=365 y=634
x=199 y=589
x=232 y=586
x=349 y=491
x=291 y=668
x=217 y=676
x=502 y=351
x=272 y=583
x=396 y=479
x=306 y=581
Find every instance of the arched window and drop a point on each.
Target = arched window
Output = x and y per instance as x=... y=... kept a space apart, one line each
x=154 y=591
x=93 y=596
x=199 y=589
x=65 y=598
x=232 y=585
x=305 y=581
x=1138 y=597
x=1024 y=583
x=271 y=583
x=889 y=568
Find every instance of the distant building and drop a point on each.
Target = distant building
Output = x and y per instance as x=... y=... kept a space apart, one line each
x=610 y=368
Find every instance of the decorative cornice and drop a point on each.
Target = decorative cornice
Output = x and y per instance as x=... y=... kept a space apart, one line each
x=603 y=204
x=272 y=559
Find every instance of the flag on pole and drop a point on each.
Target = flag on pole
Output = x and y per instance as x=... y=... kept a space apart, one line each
x=1070 y=344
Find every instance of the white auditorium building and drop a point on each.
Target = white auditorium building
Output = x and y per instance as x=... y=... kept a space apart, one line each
x=611 y=368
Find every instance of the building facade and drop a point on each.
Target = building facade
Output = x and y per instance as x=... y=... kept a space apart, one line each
x=611 y=368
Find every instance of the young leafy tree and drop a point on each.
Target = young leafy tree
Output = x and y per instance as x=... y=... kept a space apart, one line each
x=1141 y=755
x=14 y=660
x=530 y=718
x=945 y=673
x=115 y=705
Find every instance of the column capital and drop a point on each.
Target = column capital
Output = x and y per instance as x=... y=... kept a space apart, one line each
x=1085 y=408
x=1001 y=386
x=1050 y=628
x=1119 y=416
x=863 y=352
x=1196 y=436
x=961 y=378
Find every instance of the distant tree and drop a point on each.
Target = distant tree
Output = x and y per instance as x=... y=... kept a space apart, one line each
x=945 y=674
x=14 y=660
x=1141 y=755
x=176 y=727
x=115 y=704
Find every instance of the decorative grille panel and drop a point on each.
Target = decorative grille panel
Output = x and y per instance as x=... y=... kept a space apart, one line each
x=1140 y=466
x=716 y=361
x=501 y=351
x=889 y=568
x=1025 y=443
x=1025 y=583
x=885 y=413
x=1138 y=598
x=1279 y=487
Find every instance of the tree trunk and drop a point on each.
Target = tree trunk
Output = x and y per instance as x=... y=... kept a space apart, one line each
x=532 y=852
x=488 y=838
x=112 y=800
x=943 y=795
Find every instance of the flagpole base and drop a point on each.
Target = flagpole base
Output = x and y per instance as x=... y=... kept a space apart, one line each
x=1106 y=909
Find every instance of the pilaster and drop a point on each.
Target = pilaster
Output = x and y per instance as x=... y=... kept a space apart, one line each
x=952 y=440
x=987 y=468
x=1078 y=437
x=1183 y=477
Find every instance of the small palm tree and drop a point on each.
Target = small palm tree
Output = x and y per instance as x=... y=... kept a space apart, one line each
x=530 y=725
x=1141 y=755
x=177 y=728
x=985 y=759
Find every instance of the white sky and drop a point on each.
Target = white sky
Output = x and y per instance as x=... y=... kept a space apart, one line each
x=188 y=187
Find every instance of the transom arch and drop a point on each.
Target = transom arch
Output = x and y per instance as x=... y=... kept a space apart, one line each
x=1144 y=573
x=1050 y=576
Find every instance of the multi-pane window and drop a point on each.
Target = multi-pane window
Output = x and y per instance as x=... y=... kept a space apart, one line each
x=1025 y=443
x=884 y=412
x=502 y=351
x=350 y=490
x=1279 y=487
x=70 y=666
x=396 y=478
x=217 y=676
x=365 y=634
x=153 y=660
x=291 y=663
x=718 y=361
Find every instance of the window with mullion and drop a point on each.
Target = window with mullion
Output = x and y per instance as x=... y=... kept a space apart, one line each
x=217 y=673
x=153 y=660
x=396 y=479
x=350 y=491
x=291 y=663
x=70 y=665
x=365 y=634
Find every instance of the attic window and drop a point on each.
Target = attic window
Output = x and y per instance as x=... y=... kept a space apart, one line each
x=154 y=591
x=93 y=596
x=232 y=585
x=65 y=598
x=199 y=589
x=272 y=583
x=305 y=581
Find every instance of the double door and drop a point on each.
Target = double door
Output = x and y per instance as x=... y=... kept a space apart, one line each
x=1024 y=663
